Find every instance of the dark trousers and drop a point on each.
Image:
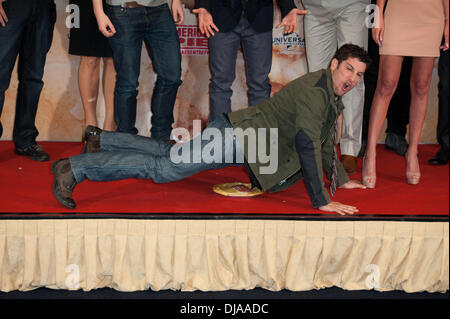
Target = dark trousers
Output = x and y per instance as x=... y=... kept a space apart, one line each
x=28 y=34
x=442 y=128
x=398 y=112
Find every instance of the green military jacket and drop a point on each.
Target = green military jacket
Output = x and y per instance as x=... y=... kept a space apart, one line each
x=304 y=113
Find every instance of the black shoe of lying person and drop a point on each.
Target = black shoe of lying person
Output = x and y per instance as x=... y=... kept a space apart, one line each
x=92 y=140
x=64 y=182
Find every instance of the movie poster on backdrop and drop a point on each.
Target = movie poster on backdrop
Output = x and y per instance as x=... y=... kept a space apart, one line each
x=289 y=62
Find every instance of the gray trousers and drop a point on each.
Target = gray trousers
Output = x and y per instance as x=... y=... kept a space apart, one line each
x=223 y=50
x=330 y=24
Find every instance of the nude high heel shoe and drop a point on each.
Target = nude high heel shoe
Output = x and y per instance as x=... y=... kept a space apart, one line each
x=368 y=180
x=412 y=178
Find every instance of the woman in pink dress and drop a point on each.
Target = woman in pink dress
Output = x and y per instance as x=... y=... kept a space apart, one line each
x=409 y=28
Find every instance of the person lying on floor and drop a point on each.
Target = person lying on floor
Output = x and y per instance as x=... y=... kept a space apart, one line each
x=297 y=125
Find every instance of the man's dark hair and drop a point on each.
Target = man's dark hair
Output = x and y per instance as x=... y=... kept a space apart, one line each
x=352 y=51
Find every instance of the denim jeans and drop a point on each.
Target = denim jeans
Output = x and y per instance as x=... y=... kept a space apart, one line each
x=29 y=34
x=132 y=156
x=223 y=50
x=155 y=27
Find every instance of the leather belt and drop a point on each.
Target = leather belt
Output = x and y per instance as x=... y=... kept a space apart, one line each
x=132 y=4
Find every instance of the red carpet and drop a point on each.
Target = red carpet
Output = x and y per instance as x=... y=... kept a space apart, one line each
x=26 y=187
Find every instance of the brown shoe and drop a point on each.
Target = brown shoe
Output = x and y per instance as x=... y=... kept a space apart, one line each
x=64 y=182
x=350 y=163
x=92 y=140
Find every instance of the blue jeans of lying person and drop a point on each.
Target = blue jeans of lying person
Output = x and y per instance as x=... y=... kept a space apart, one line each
x=126 y=155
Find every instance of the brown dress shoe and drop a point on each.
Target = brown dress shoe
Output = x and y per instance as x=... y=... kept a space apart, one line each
x=92 y=140
x=64 y=182
x=350 y=163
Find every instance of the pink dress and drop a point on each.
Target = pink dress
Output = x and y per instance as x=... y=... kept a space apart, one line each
x=413 y=28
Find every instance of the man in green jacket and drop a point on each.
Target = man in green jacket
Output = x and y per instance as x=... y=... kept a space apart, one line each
x=297 y=126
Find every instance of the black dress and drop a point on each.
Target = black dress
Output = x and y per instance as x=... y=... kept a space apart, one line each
x=88 y=40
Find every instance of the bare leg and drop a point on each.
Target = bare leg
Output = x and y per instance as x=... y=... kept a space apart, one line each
x=109 y=83
x=421 y=72
x=388 y=76
x=88 y=82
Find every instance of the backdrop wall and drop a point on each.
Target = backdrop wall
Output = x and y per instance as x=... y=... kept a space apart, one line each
x=60 y=114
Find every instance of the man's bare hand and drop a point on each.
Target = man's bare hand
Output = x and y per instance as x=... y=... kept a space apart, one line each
x=205 y=22
x=352 y=185
x=290 y=21
x=341 y=209
x=177 y=12
x=3 y=17
x=105 y=25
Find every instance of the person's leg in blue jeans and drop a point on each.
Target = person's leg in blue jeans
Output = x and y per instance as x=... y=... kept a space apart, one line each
x=28 y=33
x=150 y=158
x=127 y=46
x=10 y=37
x=163 y=45
x=129 y=156
x=155 y=27
x=124 y=142
x=223 y=50
x=32 y=56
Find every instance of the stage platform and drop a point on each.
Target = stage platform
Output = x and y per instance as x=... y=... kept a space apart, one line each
x=135 y=235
